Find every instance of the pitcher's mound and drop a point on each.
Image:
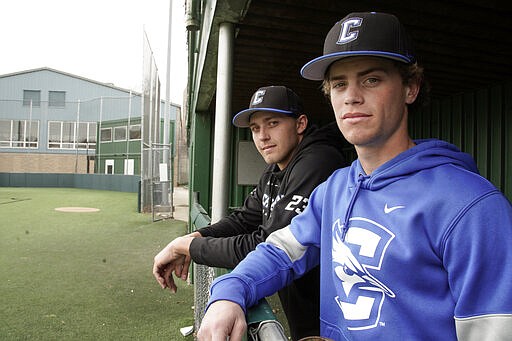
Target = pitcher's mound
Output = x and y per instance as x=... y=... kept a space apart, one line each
x=77 y=209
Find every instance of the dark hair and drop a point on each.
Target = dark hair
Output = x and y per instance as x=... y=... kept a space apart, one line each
x=410 y=73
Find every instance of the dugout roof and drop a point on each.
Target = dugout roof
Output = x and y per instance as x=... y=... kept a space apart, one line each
x=464 y=45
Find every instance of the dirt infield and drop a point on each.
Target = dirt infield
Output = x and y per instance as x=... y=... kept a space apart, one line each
x=77 y=209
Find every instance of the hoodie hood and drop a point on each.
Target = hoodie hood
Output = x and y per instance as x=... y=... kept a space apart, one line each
x=426 y=154
x=329 y=134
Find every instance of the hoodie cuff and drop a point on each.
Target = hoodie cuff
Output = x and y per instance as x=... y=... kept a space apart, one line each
x=229 y=288
x=204 y=231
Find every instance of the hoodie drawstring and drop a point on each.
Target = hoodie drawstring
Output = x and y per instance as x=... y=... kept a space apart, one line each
x=345 y=226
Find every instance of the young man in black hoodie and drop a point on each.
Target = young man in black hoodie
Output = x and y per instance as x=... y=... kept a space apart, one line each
x=299 y=158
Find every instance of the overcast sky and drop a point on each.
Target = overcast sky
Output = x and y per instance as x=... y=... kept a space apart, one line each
x=97 y=39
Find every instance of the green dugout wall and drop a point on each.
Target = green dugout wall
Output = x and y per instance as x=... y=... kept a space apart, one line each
x=201 y=162
x=201 y=152
x=480 y=124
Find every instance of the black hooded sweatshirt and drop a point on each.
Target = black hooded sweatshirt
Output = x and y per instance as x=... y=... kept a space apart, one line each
x=279 y=196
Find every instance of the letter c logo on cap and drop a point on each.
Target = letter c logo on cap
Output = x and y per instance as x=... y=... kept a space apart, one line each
x=347 y=33
x=258 y=97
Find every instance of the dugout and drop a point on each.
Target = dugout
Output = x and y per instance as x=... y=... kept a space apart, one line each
x=236 y=46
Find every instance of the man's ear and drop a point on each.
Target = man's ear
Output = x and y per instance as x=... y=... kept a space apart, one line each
x=301 y=123
x=411 y=92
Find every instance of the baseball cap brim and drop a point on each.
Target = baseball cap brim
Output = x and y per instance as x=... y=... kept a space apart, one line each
x=315 y=69
x=242 y=119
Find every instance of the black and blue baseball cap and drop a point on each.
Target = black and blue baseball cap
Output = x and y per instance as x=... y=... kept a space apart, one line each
x=275 y=98
x=362 y=34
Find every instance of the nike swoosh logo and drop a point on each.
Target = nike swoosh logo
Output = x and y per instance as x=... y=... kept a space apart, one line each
x=391 y=209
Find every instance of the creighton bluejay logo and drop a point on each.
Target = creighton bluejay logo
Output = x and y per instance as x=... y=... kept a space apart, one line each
x=258 y=97
x=348 y=31
x=356 y=263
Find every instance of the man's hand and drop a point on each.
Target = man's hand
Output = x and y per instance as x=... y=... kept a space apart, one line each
x=175 y=257
x=223 y=319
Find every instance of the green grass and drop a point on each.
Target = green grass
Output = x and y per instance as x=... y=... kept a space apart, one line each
x=85 y=276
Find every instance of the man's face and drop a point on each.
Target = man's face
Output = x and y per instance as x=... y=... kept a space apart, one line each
x=276 y=135
x=369 y=101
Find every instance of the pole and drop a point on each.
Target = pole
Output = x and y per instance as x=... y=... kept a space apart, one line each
x=165 y=154
x=76 y=135
x=97 y=161
x=128 y=134
x=29 y=129
x=222 y=122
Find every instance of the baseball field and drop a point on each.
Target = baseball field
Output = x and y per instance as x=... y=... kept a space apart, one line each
x=75 y=264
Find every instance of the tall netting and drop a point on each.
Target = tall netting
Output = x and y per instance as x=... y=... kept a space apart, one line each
x=152 y=148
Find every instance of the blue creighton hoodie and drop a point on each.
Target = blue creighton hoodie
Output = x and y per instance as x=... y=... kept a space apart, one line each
x=421 y=249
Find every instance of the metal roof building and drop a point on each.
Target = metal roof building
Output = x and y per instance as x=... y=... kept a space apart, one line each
x=51 y=121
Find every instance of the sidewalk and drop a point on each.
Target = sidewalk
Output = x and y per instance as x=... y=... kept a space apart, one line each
x=180 y=202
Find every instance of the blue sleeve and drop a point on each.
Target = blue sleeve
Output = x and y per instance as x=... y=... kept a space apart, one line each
x=262 y=273
x=478 y=259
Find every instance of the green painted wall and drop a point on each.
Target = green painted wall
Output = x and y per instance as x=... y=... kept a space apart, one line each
x=201 y=158
x=479 y=123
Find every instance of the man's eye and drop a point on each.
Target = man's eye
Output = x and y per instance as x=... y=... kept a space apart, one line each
x=372 y=81
x=273 y=123
x=336 y=85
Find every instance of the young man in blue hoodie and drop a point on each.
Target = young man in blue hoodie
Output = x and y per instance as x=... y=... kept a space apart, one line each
x=413 y=244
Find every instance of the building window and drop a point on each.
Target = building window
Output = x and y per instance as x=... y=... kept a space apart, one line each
x=71 y=135
x=86 y=135
x=135 y=132
x=68 y=134
x=5 y=133
x=31 y=134
x=32 y=96
x=119 y=133
x=19 y=134
x=57 y=99
x=92 y=135
x=109 y=166
x=54 y=134
x=106 y=135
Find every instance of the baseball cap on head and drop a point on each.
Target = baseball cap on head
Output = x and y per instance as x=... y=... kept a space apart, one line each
x=362 y=34
x=274 y=98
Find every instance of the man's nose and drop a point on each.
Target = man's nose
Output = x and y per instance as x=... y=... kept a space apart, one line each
x=353 y=95
x=262 y=134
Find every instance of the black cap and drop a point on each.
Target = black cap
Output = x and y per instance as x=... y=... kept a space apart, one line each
x=274 y=98
x=362 y=34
